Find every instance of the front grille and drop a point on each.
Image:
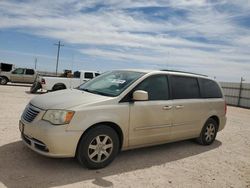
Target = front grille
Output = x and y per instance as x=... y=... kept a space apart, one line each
x=30 y=113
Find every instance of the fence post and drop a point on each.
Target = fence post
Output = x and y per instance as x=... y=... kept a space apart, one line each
x=241 y=80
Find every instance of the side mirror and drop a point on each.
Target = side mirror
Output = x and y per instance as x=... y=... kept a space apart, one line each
x=140 y=95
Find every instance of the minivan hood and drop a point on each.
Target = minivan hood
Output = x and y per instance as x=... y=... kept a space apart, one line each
x=66 y=99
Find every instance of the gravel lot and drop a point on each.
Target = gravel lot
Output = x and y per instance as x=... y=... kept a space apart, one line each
x=226 y=163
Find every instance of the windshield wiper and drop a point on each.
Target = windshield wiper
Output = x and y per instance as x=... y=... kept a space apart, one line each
x=97 y=92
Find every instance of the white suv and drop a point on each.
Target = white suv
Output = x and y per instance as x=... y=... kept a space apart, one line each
x=123 y=109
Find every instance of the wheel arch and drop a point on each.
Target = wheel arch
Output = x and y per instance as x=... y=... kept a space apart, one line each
x=59 y=84
x=5 y=78
x=215 y=118
x=113 y=125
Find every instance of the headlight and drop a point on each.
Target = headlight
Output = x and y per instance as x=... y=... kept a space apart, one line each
x=58 y=117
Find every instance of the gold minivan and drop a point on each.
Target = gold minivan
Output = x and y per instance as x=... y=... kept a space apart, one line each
x=121 y=110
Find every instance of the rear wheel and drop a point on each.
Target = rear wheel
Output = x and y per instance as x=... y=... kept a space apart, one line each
x=208 y=133
x=98 y=147
x=3 y=80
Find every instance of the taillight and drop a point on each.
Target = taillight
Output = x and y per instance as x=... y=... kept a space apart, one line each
x=43 y=81
x=225 y=108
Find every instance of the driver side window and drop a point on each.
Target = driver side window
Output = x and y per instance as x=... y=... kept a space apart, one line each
x=156 y=86
x=18 y=71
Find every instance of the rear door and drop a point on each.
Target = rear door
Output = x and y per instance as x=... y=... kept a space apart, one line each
x=188 y=107
x=29 y=76
x=150 y=120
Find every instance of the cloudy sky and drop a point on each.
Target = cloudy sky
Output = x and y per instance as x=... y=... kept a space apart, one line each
x=208 y=37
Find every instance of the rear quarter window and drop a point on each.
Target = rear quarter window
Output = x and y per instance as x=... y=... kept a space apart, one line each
x=209 y=89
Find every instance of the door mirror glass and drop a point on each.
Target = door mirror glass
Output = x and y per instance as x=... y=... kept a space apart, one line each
x=140 y=95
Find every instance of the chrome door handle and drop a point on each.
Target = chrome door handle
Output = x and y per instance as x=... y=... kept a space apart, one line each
x=179 y=106
x=167 y=107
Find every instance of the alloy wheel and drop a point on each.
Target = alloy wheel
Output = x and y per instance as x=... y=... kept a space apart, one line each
x=210 y=132
x=100 y=148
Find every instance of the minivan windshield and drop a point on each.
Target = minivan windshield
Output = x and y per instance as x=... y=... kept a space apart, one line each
x=111 y=83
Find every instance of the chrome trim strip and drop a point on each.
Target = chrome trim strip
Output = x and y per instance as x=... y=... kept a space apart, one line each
x=152 y=127
x=185 y=123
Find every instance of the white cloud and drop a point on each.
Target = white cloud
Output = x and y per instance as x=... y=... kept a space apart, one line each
x=120 y=35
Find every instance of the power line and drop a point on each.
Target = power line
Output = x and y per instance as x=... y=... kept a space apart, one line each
x=58 y=53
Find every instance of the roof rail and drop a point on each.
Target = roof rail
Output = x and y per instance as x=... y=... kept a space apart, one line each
x=184 y=72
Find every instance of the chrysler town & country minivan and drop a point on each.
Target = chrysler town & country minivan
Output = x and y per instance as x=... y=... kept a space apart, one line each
x=121 y=110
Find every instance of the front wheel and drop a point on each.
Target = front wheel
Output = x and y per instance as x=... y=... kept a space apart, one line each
x=208 y=133
x=98 y=147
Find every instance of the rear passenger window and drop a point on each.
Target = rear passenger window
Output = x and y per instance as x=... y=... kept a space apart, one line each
x=184 y=87
x=30 y=72
x=88 y=75
x=209 y=89
x=156 y=86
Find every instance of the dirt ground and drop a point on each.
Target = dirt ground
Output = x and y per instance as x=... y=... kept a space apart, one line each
x=226 y=163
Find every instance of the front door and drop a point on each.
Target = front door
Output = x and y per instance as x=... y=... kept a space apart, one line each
x=150 y=121
x=17 y=75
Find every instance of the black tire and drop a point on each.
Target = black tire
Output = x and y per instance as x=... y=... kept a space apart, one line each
x=58 y=87
x=208 y=133
x=35 y=87
x=85 y=151
x=3 y=80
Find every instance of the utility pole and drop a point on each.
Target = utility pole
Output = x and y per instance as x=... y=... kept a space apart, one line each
x=58 y=53
x=241 y=80
x=35 y=62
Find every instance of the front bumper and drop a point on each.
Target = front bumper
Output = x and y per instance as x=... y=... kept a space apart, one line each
x=50 y=140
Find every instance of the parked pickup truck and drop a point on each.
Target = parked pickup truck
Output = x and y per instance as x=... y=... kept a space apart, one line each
x=18 y=75
x=58 y=83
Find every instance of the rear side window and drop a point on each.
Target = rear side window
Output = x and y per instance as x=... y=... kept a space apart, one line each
x=88 y=75
x=156 y=86
x=30 y=72
x=209 y=89
x=184 y=87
